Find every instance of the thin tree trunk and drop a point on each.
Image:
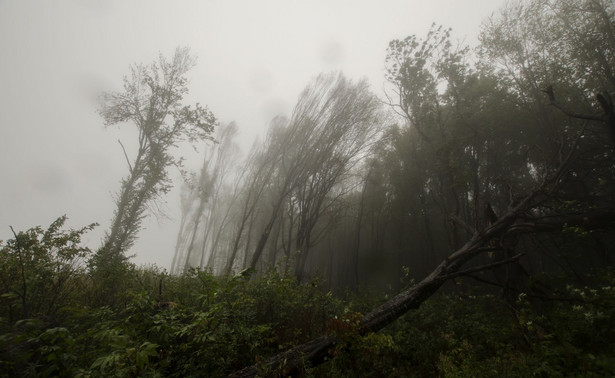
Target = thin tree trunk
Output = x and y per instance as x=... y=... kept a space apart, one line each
x=357 y=247
x=197 y=221
x=265 y=235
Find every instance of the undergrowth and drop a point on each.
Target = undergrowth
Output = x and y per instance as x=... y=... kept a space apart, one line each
x=52 y=323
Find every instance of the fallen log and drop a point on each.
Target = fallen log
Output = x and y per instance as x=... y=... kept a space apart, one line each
x=317 y=350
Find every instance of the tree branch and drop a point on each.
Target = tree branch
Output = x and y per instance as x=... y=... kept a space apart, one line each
x=606 y=103
x=570 y=113
x=479 y=268
x=125 y=155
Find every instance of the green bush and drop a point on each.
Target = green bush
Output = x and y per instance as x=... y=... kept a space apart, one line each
x=41 y=271
x=201 y=325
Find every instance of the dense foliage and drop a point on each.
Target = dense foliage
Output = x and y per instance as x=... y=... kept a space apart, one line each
x=201 y=325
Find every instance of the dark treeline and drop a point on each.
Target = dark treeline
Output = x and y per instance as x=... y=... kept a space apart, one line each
x=352 y=189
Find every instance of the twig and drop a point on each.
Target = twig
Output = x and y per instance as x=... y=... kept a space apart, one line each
x=471 y=230
x=479 y=268
x=485 y=281
x=606 y=103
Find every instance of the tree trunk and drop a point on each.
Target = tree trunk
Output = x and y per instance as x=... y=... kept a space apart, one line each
x=265 y=235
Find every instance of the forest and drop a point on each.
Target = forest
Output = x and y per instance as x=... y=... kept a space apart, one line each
x=457 y=224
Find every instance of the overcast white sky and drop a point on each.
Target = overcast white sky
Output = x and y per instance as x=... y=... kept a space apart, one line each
x=254 y=57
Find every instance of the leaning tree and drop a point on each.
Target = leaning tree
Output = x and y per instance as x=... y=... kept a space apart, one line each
x=152 y=102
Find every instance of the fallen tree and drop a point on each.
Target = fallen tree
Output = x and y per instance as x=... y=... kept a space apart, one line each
x=513 y=223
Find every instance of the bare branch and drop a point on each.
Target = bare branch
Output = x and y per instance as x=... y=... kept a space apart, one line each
x=570 y=113
x=485 y=266
x=606 y=103
x=125 y=155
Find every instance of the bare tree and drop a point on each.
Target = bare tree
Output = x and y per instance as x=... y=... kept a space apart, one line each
x=333 y=122
x=207 y=193
x=260 y=166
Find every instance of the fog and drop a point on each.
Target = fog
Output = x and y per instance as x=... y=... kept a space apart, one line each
x=253 y=60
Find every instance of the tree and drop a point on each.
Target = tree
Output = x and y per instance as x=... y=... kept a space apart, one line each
x=564 y=45
x=556 y=60
x=332 y=124
x=255 y=180
x=433 y=159
x=207 y=192
x=152 y=102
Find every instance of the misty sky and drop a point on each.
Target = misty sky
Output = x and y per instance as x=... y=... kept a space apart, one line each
x=254 y=57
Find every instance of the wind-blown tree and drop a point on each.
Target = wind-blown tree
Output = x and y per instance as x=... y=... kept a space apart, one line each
x=259 y=167
x=332 y=124
x=152 y=102
x=207 y=193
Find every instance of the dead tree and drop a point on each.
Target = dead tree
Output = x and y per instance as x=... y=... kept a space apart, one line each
x=512 y=223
